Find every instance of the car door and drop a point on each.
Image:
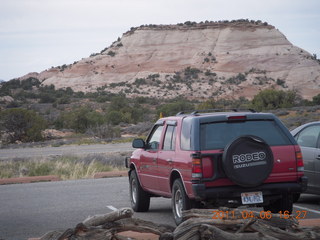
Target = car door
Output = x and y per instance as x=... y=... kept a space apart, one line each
x=308 y=139
x=148 y=159
x=166 y=157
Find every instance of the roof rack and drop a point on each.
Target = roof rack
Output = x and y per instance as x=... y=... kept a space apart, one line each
x=194 y=112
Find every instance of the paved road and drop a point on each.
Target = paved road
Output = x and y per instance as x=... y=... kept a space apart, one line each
x=31 y=210
x=64 y=150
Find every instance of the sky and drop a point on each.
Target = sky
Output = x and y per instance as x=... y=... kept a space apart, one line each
x=36 y=35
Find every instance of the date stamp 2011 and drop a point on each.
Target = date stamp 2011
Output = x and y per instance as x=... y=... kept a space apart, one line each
x=247 y=214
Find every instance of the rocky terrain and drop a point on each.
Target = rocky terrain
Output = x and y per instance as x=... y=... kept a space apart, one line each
x=197 y=60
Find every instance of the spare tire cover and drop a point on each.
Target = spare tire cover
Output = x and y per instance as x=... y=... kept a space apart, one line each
x=247 y=161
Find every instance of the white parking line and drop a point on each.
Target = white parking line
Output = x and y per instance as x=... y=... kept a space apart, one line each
x=112 y=208
x=307 y=209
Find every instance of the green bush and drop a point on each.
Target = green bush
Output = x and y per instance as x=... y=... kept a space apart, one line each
x=191 y=72
x=140 y=81
x=316 y=99
x=111 y=53
x=22 y=125
x=46 y=98
x=225 y=104
x=63 y=100
x=114 y=117
x=237 y=79
x=173 y=108
x=273 y=99
x=121 y=110
x=6 y=87
x=80 y=119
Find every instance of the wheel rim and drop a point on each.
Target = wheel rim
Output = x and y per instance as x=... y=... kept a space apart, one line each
x=178 y=203
x=134 y=191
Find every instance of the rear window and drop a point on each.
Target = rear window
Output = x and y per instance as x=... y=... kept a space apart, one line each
x=218 y=135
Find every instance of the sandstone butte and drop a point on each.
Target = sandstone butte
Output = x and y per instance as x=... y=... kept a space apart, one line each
x=226 y=59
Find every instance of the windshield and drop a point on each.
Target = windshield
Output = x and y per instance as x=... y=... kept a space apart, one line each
x=218 y=135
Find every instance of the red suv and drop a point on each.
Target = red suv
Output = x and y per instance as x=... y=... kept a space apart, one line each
x=217 y=159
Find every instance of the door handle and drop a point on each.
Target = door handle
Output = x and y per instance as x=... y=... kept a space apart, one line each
x=169 y=160
x=154 y=160
x=318 y=157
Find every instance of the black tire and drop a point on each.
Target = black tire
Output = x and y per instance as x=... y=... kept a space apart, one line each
x=180 y=201
x=140 y=199
x=247 y=161
x=283 y=204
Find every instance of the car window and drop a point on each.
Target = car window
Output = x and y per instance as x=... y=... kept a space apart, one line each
x=170 y=138
x=218 y=135
x=154 y=139
x=185 y=137
x=308 y=137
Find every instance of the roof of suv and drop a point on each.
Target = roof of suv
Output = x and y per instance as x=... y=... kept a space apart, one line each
x=224 y=116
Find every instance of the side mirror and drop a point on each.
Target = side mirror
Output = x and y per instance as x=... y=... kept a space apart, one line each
x=138 y=143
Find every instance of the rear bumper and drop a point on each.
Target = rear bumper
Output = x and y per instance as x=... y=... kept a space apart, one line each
x=231 y=192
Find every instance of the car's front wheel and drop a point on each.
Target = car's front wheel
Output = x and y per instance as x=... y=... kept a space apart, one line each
x=140 y=199
x=180 y=201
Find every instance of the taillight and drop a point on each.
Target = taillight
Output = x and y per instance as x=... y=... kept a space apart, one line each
x=300 y=166
x=196 y=168
x=207 y=167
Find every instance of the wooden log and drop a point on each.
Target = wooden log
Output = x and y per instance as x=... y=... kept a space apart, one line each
x=199 y=225
x=109 y=217
x=52 y=235
x=227 y=216
x=210 y=232
x=201 y=230
x=278 y=233
x=190 y=228
x=138 y=225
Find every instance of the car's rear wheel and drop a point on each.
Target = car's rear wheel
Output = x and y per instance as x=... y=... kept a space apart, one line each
x=180 y=201
x=140 y=199
x=284 y=204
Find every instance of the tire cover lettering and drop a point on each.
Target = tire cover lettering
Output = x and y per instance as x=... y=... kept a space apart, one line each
x=249 y=160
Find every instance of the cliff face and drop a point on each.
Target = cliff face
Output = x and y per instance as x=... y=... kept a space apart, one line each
x=212 y=59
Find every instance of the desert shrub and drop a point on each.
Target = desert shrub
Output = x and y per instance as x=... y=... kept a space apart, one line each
x=225 y=104
x=80 y=119
x=237 y=79
x=122 y=110
x=281 y=82
x=173 y=108
x=140 y=81
x=46 y=98
x=111 y=53
x=273 y=99
x=209 y=73
x=190 y=72
x=29 y=83
x=26 y=84
x=316 y=99
x=63 y=100
x=209 y=104
x=114 y=117
x=22 y=125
